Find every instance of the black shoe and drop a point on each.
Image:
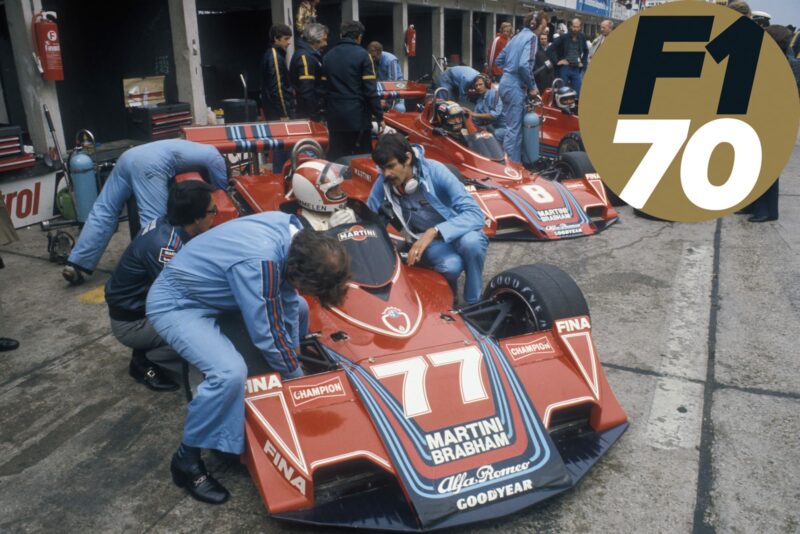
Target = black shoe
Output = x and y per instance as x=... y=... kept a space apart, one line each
x=151 y=376
x=6 y=343
x=198 y=482
x=761 y=218
x=72 y=275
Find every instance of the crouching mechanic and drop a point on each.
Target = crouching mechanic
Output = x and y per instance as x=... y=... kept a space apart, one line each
x=190 y=211
x=144 y=172
x=254 y=264
x=435 y=210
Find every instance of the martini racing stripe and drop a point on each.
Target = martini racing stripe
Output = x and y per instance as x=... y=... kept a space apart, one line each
x=260 y=138
x=270 y=290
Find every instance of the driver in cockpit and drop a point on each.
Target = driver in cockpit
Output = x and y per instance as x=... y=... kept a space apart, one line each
x=317 y=186
x=450 y=120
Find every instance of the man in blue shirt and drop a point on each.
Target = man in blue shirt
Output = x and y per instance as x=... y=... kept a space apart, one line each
x=517 y=61
x=190 y=211
x=255 y=265
x=436 y=211
x=457 y=81
x=488 y=112
x=387 y=67
x=144 y=172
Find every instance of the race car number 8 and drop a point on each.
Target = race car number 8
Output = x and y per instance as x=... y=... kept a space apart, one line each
x=667 y=138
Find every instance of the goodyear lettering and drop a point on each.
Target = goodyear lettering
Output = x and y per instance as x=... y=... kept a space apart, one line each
x=568 y=230
x=553 y=214
x=467 y=440
x=501 y=492
x=573 y=325
x=461 y=481
x=284 y=467
x=262 y=383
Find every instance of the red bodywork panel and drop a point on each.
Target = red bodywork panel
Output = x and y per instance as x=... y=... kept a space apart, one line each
x=257 y=136
x=555 y=125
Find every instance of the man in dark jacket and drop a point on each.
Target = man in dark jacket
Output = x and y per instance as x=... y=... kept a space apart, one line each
x=190 y=211
x=571 y=54
x=276 y=91
x=351 y=94
x=306 y=71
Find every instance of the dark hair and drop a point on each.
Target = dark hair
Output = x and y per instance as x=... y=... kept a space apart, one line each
x=279 y=30
x=375 y=45
x=351 y=29
x=188 y=201
x=318 y=265
x=741 y=7
x=534 y=19
x=393 y=145
x=782 y=35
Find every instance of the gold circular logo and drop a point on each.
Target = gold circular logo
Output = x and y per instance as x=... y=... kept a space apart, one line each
x=689 y=111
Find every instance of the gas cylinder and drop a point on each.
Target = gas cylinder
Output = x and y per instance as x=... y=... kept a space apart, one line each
x=530 y=136
x=84 y=182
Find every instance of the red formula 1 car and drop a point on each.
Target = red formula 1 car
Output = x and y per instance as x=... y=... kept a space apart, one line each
x=566 y=199
x=413 y=416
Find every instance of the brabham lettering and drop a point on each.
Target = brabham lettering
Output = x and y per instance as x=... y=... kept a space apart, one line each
x=467 y=440
x=455 y=483
x=554 y=214
x=501 y=492
x=284 y=467
x=262 y=383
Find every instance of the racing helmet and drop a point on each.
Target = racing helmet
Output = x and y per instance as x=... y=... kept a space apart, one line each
x=564 y=97
x=450 y=116
x=762 y=18
x=317 y=186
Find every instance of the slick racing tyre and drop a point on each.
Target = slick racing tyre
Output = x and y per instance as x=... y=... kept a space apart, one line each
x=572 y=142
x=574 y=165
x=538 y=295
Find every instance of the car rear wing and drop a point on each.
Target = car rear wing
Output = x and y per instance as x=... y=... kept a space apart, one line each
x=401 y=89
x=257 y=136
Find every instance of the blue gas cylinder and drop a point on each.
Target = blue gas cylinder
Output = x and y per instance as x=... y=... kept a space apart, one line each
x=530 y=137
x=84 y=183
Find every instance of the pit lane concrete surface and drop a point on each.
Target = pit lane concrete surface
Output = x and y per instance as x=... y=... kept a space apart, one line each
x=697 y=325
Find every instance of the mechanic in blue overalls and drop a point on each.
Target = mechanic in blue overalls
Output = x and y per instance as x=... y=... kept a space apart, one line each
x=436 y=211
x=255 y=265
x=190 y=212
x=457 y=81
x=387 y=67
x=517 y=61
x=488 y=112
x=144 y=172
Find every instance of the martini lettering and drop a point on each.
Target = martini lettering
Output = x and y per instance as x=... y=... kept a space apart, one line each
x=462 y=441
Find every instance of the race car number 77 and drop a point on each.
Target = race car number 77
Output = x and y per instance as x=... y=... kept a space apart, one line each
x=415 y=369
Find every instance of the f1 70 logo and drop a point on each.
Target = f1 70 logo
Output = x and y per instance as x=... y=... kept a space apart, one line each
x=689 y=111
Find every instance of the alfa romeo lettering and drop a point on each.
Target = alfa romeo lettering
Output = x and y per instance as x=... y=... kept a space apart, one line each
x=461 y=481
x=707 y=111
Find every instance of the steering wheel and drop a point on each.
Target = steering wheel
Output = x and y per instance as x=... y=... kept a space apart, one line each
x=306 y=144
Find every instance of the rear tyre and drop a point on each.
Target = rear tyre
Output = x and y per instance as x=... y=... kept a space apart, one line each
x=538 y=295
x=575 y=165
x=572 y=142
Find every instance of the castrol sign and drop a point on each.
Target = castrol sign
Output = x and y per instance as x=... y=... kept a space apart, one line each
x=29 y=201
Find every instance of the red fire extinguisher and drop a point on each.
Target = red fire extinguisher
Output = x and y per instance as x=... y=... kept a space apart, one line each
x=411 y=41
x=48 y=45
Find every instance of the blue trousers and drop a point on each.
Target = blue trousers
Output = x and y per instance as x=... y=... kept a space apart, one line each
x=513 y=97
x=573 y=76
x=467 y=254
x=215 y=417
x=151 y=198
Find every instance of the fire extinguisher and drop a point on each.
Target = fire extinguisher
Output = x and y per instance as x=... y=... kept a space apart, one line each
x=48 y=46
x=411 y=41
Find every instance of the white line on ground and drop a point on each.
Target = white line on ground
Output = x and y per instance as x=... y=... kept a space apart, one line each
x=676 y=412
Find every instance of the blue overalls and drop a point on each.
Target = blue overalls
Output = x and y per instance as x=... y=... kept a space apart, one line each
x=457 y=80
x=239 y=265
x=143 y=171
x=388 y=69
x=491 y=103
x=517 y=60
x=463 y=244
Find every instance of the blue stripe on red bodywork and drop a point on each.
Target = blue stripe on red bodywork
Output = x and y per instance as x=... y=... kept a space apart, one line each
x=270 y=289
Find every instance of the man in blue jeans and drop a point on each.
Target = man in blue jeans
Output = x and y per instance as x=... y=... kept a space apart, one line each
x=436 y=211
x=144 y=172
x=256 y=265
x=571 y=54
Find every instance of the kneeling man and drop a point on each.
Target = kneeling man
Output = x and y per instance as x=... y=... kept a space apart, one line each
x=436 y=211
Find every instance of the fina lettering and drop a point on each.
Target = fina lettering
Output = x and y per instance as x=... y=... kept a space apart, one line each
x=262 y=383
x=462 y=441
x=284 y=468
x=573 y=325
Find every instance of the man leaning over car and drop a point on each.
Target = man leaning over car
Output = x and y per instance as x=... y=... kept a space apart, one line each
x=435 y=210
